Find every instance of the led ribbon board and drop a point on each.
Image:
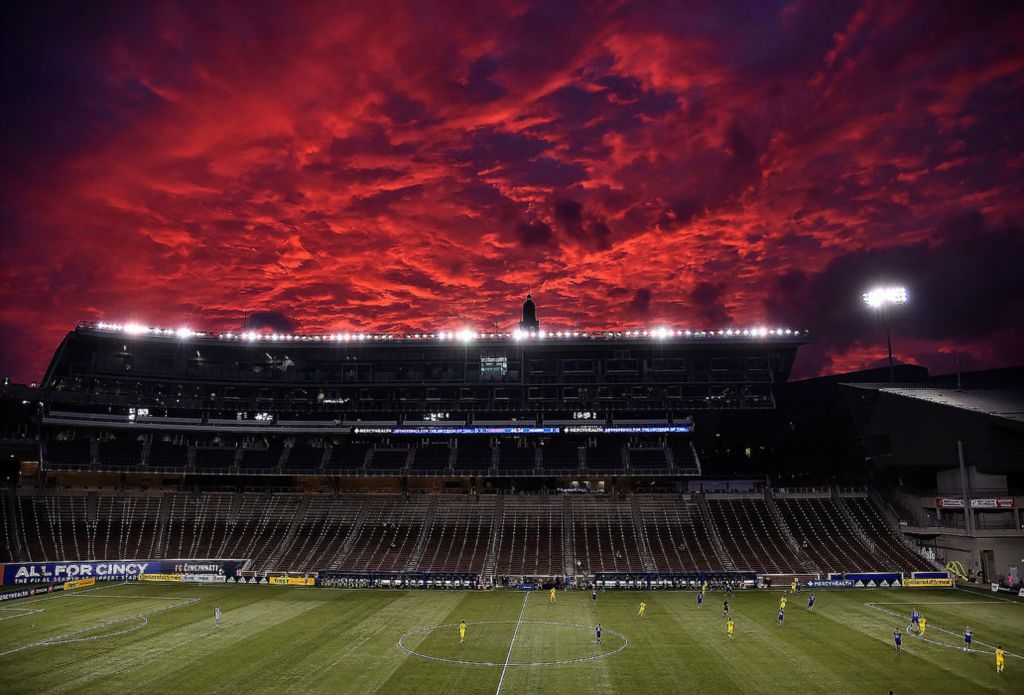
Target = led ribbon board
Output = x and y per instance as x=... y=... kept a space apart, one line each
x=572 y=429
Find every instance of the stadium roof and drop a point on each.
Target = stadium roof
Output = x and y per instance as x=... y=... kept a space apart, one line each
x=1001 y=403
x=464 y=335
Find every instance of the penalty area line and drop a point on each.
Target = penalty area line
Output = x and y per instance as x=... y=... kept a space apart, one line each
x=515 y=632
x=973 y=650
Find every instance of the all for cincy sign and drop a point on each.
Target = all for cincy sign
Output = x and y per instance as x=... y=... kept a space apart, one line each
x=40 y=572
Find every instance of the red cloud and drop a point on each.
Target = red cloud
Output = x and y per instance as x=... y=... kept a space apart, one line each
x=402 y=167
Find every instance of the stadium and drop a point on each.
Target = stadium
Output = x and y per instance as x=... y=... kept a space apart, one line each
x=515 y=347
x=346 y=500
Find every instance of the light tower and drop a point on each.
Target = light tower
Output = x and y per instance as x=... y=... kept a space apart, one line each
x=884 y=299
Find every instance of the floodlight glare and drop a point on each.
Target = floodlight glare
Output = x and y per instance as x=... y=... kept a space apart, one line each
x=465 y=335
x=184 y=333
x=884 y=296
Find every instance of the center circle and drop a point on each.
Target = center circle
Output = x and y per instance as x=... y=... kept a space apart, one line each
x=614 y=639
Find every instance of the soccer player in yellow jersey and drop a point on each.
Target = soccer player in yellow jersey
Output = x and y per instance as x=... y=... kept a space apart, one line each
x=643 y=609
x=730 y=627
x=782 y=603
x=922 y=625
x=553 y=598
x=704 y=589
x=462 y=632
x=792 y=587
x=1000 y=659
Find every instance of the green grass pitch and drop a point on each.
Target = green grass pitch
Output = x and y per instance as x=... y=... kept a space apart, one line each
x=161 y=638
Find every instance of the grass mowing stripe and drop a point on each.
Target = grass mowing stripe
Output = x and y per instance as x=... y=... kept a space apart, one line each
x=513 y=644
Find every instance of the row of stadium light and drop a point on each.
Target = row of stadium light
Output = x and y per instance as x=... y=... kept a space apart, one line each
x=464 y=335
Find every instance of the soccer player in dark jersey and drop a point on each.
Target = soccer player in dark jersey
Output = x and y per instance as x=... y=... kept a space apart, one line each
x=593 y=596
x=897 y=637
x=597 y=631
x=725 y=609
x=968 y=636
x=700 y=599
x=810 y=602
x=782 y=616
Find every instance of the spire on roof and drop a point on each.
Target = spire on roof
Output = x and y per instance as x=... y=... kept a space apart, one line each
x=529 y=322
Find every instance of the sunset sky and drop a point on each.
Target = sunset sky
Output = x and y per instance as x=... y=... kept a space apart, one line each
x=420 y=166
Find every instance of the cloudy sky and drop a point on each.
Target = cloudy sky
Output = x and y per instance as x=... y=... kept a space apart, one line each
x=420 y=166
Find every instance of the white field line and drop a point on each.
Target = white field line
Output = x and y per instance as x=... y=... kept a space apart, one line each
x=992 y=598
x=21 y=612
x=990 y=650
x=556 y=662
x=18 y=606
x=65 y=594
x=71 y=636
x=515 y=632
x=928 y=603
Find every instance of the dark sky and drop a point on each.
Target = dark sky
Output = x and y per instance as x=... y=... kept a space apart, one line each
x=419 y=166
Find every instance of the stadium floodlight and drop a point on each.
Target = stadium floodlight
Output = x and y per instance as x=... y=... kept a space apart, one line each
x=661 y=332
x=881 y=297
x=465 y=335
x=184 y=333
x=884 y=299
x=134 y=329
x=518 y=335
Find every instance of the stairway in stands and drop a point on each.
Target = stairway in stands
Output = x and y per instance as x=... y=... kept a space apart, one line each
x=492 y=547
x=10 y=526
x=568 y=552
x=428 y=523
x=727 y=563
x=288 y=539
x=800 y=553
x=641 y=535
x=854 y=524
x=353 y=535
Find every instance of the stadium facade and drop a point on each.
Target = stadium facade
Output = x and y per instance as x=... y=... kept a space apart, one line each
x=461 y=455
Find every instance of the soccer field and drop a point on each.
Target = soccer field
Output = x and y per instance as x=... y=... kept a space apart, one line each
x=157 y=638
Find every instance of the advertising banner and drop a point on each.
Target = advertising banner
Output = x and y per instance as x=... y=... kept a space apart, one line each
x=919 y=583
x=226 y=567
x=160 y=577
x=34 y=591
x=293 y=581
x=79 y=583
x=992 y=503
x=203 y=578
x=830 y=583
x=976 y=503
x=40 y=572
x=872 y=580
x=104 y=570
x=247 y=580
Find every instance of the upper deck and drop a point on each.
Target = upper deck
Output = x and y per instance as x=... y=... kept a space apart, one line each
x=658 y=369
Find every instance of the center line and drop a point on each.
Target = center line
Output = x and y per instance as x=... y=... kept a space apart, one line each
x=514 y=633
